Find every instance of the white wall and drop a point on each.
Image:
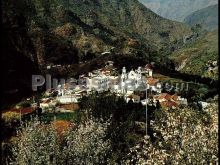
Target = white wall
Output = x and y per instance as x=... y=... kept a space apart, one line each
x=67 y=99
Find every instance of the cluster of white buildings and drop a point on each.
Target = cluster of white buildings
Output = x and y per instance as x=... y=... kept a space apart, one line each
x=126 y=84
x=103 y=80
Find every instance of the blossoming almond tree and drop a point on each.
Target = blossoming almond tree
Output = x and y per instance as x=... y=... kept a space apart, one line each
x=39 y=144
x=36 y=144
x=184 y=136
x=86 y=145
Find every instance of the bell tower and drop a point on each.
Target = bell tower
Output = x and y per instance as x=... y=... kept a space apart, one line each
x=124 y=74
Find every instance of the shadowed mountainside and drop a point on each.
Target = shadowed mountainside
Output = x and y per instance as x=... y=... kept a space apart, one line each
x=44 y=32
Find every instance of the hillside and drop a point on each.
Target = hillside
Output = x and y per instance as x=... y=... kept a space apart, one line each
x=176 y=9
x=195 y=58
x=207 y=18
x=38 y=33
x=74 y=28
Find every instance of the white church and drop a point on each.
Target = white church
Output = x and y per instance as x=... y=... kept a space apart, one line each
x=123 y=85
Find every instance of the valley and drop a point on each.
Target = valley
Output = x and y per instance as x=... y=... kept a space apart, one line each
x=131 y=82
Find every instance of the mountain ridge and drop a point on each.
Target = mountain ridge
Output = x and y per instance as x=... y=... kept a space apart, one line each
x=206 y=17
x=105 y=23
x=177 y=10
x=50 y=32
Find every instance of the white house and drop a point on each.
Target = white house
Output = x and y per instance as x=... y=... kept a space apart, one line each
x=100 y=82
x=47 y=103
x=143 y=102
x=69 y=98
x=109 y=63
x=132 y=75
x=48 y=66
x=154 y=84
x=150 y=73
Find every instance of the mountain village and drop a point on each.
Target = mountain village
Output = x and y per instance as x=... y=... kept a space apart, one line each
x=131 y=85
x=109 y=82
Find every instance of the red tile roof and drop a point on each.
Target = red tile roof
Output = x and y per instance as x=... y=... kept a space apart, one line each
x=163 y=96
x=174 y=97
x=130 y=97
x=148 y=66
x=133 y=96
x=152 y=81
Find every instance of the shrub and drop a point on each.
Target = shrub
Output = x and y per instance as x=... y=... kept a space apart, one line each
x=66 y=30
x=23 y=104
x=10 y=117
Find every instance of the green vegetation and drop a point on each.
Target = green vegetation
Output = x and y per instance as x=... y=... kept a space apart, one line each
x=207 y=18
x=47 y=32
x=60 y=29
x=121 y=117
x=48 y=117
x=112 y=132
x=11 y=117
x=194 y=56
x=105 y=129
x=182 y=136
x=23 y=104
